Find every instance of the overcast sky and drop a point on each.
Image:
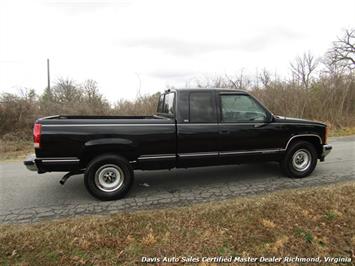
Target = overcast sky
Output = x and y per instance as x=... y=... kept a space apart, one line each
x=125 y=44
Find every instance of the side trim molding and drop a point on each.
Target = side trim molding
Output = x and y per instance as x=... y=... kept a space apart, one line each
x=251 y=152
x=198 y=154
x=58 y=160
x=157 y=157
x=106 y=125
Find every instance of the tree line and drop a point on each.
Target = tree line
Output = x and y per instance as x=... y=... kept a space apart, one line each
x=317 y=88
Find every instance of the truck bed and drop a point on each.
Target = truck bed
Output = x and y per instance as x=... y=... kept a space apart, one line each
x=81 y=138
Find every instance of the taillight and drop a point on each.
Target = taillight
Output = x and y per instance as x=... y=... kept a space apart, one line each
x=37 y=135
x=326 y=135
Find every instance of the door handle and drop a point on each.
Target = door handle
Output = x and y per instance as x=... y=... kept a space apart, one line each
x=260 y=124
x=224 y=132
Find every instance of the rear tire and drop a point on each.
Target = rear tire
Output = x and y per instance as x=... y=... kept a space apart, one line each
x=108 y=177
x=300 y=160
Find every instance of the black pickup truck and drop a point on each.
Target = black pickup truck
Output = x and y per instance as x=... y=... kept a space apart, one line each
x=192 y=127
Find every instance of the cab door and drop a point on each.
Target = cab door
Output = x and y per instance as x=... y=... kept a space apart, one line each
x=198 y=131
x=246 y=129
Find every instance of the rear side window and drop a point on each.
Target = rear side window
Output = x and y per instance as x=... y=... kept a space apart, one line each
x=166 y=104
x=169 y=103
x=202 y=108
x=161 y=104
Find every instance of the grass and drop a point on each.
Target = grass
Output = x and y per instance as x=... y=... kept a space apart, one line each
x=10 y=150
x=345 y=131
x=305 y=222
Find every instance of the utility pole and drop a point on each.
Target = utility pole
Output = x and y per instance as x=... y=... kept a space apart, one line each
x=48 y=76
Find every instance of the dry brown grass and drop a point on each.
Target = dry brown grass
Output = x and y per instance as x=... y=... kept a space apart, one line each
x=304 y=222
x=10 y=150
x=346 y=131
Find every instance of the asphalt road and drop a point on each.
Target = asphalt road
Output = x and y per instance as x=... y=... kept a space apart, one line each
x=28 y=197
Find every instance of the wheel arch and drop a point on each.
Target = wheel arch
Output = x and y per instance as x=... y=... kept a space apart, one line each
x=314 y=139
x=107 y=146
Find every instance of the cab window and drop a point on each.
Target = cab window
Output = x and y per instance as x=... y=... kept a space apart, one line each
x=241 y=108
x=202 y=108
x=166 y=104
x=160 y=104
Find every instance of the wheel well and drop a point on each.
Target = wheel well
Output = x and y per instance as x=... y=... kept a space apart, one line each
x=314 y=140
x=91 y=155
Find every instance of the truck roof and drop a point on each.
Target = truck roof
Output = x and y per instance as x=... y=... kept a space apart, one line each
x=206 y=89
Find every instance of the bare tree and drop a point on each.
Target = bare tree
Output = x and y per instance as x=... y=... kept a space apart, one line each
x=66 y=91
x=342 y=54
x=93 y=100
x=303 y=68
x=265 y=78
x=239 y=81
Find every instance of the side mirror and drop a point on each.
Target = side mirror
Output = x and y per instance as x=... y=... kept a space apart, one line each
x=269 y=118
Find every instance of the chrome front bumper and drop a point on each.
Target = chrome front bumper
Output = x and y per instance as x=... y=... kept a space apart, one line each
x=326 y=150
x=30 y=162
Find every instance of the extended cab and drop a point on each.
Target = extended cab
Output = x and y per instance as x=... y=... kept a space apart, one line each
x=192 y=127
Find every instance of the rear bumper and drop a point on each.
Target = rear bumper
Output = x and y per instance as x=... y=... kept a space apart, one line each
x=30 y=163
x=42 y=165
x=325 y=151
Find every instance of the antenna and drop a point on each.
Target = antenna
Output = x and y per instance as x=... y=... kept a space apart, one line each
x=48 y=76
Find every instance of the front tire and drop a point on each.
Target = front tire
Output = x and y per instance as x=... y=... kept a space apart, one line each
x=108 y=177
x=300 y=160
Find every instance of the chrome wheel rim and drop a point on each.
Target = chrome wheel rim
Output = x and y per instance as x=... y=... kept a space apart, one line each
x=109 y=178
x=301 y=160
